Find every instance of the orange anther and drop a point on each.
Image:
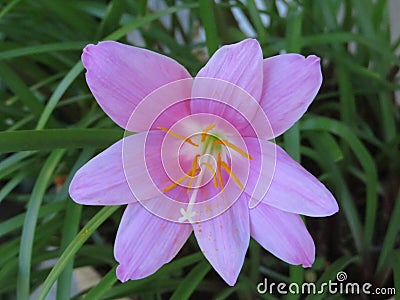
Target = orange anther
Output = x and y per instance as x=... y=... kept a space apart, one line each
x=234 y=147
x=187 y=140
x=205 y=131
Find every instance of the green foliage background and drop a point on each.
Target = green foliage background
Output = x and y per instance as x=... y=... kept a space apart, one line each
x=51 y=125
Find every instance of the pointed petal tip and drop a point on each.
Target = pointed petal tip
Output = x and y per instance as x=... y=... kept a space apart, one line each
x=313 y=59
x=90 y=51
x=86 y=55
x=308 y=259
x=231 y=280
x=121 y=274
x=252 y=44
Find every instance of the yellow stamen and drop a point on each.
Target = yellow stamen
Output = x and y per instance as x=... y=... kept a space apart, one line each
x=192 y=172
x=219 y=171
x=205 y=131
x=174 y=184
x=234 y=147
x=187 y=140
x=209 y=166
x=227 y=169
x=179 y=181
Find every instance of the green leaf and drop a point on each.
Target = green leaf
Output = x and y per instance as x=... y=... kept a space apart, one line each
x=206 y=10
x=331 y=273
x=390 y=236
x=74 y=246
x=12 y=141
x=25 y=256
x=191 y=281
x=70 y=229
x=105 y=283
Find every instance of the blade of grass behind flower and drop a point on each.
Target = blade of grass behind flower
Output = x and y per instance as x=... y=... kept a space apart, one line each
x=105 y=283
x=206 y=11
x=8 y=7
x=330 y=274
x=191 y=281
x=366 y=161
x=123 y=30
x=21 y=140
x=74 y=246
x=9 y=186
x=320 y=142
x=114 y=12
x=396 y=270
x=153 y=281
x=58 y=93
x=70 y=228
x=17 y=222
x=292 y=136
x=256 y=19
x=390 y=236
x=45 y=48
x=17 y=85
x=28 y=232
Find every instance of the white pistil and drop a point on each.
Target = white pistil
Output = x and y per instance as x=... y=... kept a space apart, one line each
x=188 y=214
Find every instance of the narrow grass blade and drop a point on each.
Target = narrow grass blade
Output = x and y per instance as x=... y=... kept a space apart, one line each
x=25 y=256
x=207 y=16
x=12 y=141
x=74 y=246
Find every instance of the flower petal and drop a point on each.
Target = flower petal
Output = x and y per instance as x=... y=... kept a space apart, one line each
x=101 y=181
x=283 y=234
x=120 y=76
x=240 y=65
x=224 y=239
x=291 y=82
x=293 y=188
x=145 y=242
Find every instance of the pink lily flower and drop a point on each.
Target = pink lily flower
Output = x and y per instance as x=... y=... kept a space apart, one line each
x=200 y=149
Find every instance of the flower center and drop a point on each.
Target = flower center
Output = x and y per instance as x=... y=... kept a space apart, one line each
x=210 y=146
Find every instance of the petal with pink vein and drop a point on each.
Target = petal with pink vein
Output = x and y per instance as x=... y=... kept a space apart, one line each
x=120 y=76
x=240 y=65
x=225 y=238
x=101 y=181
x=146 y=242
x=293 y=188
x=283 y=234
x=290 y=83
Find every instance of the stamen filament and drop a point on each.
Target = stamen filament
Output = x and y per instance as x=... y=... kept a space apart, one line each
x=205 y=131
x=192 y=172
x=227 y=169
x=187 y=140
x=175 y=183
x=234 y=147
x=179 y=181
x=209 y=166
x=219 y=171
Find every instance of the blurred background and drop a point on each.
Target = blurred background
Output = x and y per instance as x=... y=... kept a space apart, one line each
x=51 y=125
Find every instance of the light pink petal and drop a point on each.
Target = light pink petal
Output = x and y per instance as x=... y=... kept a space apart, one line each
x=101 y=181
x=293 y=188
x=120 y=76
x=291 y=82
x=145 y=169
x=283 y=234
x=145 y=242
x=240 y=65
x=224 y=239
